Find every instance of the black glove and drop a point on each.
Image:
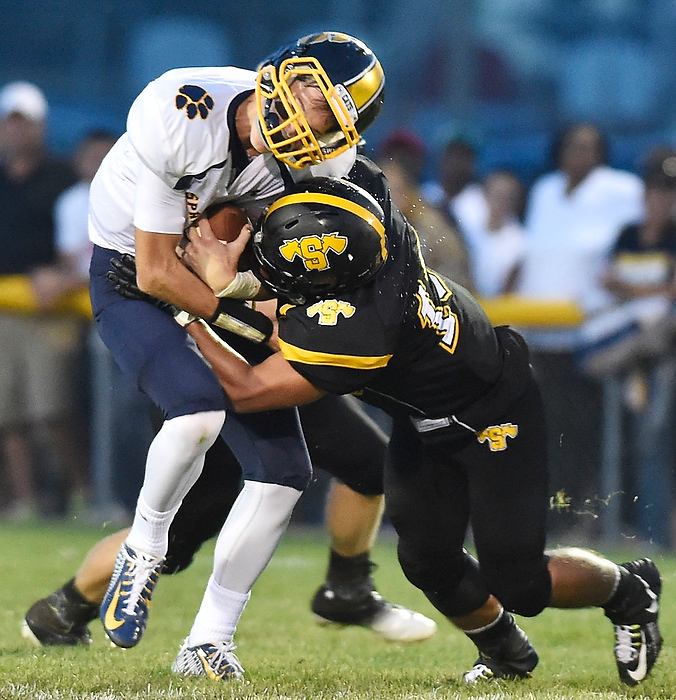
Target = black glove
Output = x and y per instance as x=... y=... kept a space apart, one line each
x=123 y=275
x=233 y=315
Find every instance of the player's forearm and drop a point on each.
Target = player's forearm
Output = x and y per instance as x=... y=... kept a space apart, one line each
x=270 y=385
x=236 y=376
x=180 y=287
x=160 y=274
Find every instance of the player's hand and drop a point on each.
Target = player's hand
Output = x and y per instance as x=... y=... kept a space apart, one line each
x=123 y=275
x=212 y=260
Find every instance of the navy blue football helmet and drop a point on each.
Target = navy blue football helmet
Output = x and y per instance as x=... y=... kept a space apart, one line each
x=351 y=80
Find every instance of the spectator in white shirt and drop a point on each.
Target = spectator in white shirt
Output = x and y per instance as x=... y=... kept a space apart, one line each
x=73 y=246
x=496 y=244
x=573 y=217
x=71 y=209
x=458 y=190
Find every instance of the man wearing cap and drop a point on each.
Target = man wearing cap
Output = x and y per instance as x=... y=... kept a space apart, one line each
x=36 y=349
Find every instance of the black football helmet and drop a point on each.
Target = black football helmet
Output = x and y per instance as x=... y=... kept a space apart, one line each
x=322 y=237
x=350 y=78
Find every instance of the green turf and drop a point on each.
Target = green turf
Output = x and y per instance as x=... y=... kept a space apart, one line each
x=284 y=653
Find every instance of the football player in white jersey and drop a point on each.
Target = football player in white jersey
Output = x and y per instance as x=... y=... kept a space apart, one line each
x=197 y=137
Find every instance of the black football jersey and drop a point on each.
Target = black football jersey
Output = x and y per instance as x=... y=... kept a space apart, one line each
x=409 y=341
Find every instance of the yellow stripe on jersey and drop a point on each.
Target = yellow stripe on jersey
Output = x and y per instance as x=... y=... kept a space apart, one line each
x=340 y=203
x=310 y=357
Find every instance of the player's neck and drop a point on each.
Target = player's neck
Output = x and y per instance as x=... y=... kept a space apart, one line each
x=244 y=121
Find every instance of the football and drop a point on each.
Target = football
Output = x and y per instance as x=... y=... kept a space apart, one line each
x=227 y=222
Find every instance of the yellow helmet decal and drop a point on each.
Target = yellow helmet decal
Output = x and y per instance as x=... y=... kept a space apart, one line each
x=340 y=203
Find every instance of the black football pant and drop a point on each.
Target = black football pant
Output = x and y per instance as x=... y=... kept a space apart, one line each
x=499 y=487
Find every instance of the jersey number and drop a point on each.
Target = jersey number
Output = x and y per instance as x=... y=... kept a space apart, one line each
x=440 y=318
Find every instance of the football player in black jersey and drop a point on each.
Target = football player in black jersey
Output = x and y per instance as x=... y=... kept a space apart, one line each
x=360 y=313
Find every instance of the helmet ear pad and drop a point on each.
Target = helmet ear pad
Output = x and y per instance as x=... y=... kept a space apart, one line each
x=322 y=237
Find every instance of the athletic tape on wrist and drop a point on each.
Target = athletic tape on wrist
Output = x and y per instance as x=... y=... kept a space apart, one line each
x=245 y=286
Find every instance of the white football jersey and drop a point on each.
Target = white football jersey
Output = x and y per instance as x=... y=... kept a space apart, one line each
x=176 y=159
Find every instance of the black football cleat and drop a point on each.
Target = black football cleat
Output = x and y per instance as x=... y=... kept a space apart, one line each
x=56 y=621
x=363 y=606
x=637 y=636
x=508 y=658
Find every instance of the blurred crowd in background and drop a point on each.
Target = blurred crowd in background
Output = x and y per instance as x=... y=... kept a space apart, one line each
x=524 y=176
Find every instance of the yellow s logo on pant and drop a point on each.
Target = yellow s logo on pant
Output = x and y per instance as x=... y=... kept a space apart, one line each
x=497 y=435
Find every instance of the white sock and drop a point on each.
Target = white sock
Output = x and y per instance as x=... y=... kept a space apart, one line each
x=174 y=462
x=150 y=529
x=488 y=626
x=218 y=615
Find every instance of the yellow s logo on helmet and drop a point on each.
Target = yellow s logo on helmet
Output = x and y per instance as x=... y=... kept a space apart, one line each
x=322 y=237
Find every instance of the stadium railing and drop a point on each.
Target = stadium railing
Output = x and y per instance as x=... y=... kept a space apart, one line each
x=16 y=296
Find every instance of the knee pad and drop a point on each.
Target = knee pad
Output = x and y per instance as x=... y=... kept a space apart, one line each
x=524 y=589
x=176 y=457
x=453 y=584
x=195 y=428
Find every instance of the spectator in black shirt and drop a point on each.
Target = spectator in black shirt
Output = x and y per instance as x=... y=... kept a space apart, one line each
x=642 y=275
x=37 y=349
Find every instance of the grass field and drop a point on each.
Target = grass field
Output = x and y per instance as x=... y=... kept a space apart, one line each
x=284 y=653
